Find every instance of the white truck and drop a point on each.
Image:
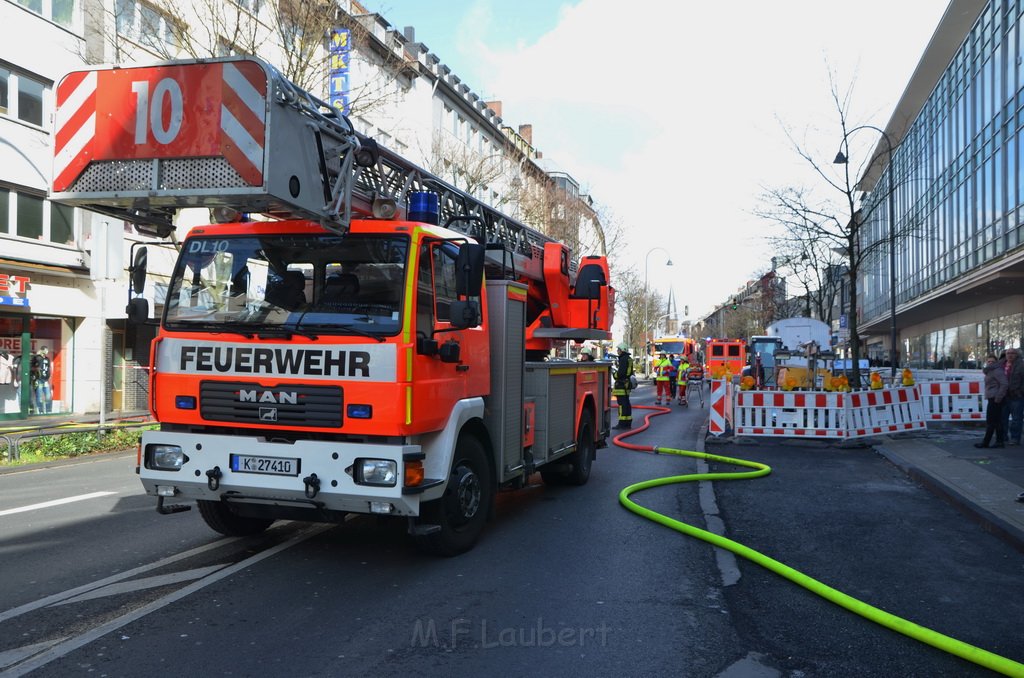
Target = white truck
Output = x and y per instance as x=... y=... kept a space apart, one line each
x=801 y=337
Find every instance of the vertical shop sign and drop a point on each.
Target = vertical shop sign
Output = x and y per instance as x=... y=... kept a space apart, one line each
x=338 y=72
x=14 y=290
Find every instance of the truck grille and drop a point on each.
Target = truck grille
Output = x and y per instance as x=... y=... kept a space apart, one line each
x=285 y=405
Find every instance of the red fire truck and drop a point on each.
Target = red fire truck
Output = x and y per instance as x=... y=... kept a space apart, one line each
x=375 y=341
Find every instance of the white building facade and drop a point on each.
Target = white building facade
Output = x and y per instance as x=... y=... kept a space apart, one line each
x=63 y=280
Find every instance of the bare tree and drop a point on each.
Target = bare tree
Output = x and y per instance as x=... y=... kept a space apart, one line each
x=834 y=222
x=634 y=304
x=814 y=264
x=464 y=168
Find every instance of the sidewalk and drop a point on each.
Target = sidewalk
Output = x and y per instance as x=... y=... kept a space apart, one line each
x=12 y=432
x=982 y=483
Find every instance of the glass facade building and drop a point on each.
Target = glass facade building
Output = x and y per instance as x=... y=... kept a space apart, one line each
x=958 y=196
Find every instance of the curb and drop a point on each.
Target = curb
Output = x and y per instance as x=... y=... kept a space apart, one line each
x=990 y=521
x=69 y=461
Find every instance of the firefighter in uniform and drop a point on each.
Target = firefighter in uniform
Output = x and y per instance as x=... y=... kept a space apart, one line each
x=621 y=387
x=662 y=377
x=673 y=373
x=684 y=368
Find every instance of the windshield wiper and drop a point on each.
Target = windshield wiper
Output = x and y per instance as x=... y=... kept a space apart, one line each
x=355 y=330
x=268 y=331
x=212 y=328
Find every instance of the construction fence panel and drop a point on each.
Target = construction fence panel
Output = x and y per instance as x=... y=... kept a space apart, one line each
x=954 y=400
x=791 y=414
x=890 y=410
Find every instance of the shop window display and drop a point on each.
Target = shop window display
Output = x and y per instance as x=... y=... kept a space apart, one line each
x=33 y=377
x=11 y=372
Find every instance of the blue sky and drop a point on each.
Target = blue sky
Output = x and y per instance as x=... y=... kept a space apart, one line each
x=672 y=112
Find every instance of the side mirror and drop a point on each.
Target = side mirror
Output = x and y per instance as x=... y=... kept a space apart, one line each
x=138 y=270
x=137 y=310
x=450 y=351
x=469 y=271
x=464 y=314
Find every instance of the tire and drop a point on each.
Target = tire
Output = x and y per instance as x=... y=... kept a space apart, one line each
x=581 y=460
x=461 y=512
x=219 y=516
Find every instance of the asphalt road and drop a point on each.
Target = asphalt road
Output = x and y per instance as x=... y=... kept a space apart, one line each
x=565 y=582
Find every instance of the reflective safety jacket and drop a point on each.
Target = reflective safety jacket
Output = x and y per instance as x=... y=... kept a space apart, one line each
x=663 y=369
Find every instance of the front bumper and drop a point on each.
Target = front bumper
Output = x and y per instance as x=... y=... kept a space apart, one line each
x=330 y=462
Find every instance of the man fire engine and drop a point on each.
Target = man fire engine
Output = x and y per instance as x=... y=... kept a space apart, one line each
x=351 y=352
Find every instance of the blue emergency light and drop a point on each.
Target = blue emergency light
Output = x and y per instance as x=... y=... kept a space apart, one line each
x=423 y=206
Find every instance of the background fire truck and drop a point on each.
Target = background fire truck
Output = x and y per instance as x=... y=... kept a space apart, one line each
x=728 y=353
x=672 y=345
x=313 y=364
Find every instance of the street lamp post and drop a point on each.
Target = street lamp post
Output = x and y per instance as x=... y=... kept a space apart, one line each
x=647 y=260
x=841 y=159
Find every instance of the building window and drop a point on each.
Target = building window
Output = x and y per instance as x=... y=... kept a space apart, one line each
x=30 y=101
x=147 y=25
x=62 y=224
x=21 y=96
x=5 y=210
x=58 y=11
x=29 y=215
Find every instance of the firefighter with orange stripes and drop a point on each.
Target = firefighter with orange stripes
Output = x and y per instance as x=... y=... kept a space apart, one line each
x=662 y=378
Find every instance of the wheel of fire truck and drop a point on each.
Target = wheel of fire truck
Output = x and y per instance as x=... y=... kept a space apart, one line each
x=462 y=510
x=582 y=459
x=221 y=518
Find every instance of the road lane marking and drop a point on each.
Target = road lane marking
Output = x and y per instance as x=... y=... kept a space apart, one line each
x=16 y=655
x=60 y=650
x=56 y=502
x=142 y=584
x=63 y=595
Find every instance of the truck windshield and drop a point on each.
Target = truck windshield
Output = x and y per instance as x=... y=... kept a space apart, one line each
x=327 y=283
x=669 y=346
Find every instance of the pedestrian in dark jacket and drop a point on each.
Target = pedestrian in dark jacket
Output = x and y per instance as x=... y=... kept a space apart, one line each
x=1013 y=406
x=996 y=387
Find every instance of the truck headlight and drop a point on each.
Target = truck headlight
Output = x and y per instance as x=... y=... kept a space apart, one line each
x=165 y=457
x=379 y=472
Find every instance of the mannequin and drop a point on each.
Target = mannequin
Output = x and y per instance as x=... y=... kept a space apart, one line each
x=42 y=393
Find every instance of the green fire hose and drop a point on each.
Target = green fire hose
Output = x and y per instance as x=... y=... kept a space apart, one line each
x=953 y=646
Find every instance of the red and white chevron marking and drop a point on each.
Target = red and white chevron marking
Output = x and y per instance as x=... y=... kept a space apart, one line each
x=243 y=119
x=719 y=398
x=74 y=128
x=181 y=111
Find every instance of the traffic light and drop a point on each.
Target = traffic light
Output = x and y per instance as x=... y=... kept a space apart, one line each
x=735 y=304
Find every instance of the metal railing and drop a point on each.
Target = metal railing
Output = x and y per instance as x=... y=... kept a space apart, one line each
x=14 y=438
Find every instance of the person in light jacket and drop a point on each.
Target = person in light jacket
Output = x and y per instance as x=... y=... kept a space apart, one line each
x=996 y=388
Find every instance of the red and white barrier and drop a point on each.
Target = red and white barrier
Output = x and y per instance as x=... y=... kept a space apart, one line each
x=825 y=414
x=953 y=400
x=791 y=414
x=889 y=410
x=721 y=419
